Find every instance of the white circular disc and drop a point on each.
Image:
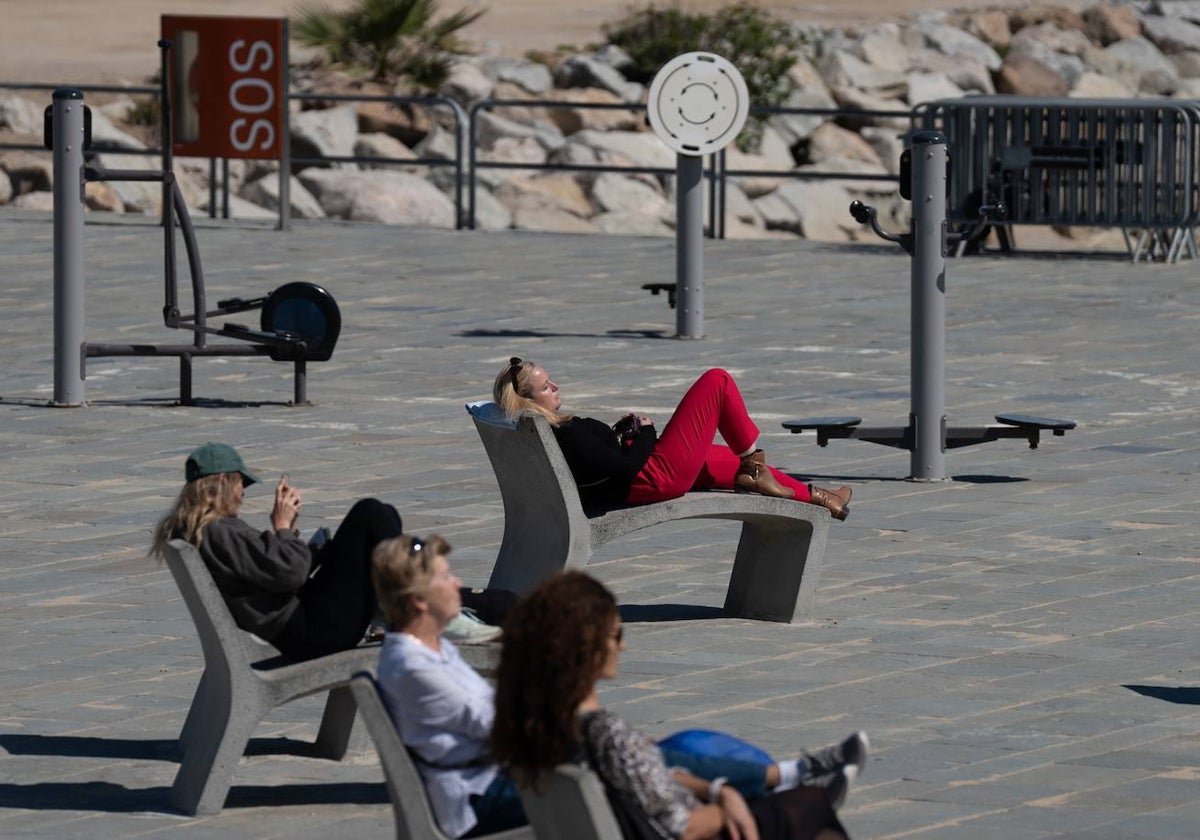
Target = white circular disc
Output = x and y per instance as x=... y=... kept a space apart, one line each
x=698 y=103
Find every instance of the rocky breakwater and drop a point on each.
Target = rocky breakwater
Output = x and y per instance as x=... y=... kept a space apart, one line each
x=1106 y=50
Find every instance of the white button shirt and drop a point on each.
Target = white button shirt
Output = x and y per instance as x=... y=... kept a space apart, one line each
x=443 y=710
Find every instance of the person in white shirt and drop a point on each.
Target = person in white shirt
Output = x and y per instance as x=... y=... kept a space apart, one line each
x=444 y=710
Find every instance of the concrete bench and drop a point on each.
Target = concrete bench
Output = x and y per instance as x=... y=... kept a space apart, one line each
x=571 y=804
x=410 y=805
x=243 y=680
x=546 y=529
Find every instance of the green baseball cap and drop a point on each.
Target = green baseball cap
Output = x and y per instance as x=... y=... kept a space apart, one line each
x=214 y=459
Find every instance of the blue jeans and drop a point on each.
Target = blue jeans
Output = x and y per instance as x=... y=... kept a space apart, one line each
x=748 y=777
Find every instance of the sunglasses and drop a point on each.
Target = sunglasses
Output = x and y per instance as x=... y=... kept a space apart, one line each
x=417 y=545
x=514 y=368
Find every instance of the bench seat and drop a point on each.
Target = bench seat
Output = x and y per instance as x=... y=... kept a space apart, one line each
x=546 y=528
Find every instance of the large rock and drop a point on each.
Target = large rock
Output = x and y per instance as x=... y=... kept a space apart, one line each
x=850 y=166
x=556 y=190
x=43 y=202
x=106 y=135
x=582 y=118
x=407 y=123
x=951 y=41
x=991 y=27
x=830 y=141
x=264 y=192
x=529 y=75
x=1187 y=64
x=490 y=213
x=842 y=68
x=641 y=147
x=467 y=83
x=98 y=195
x=1139 y=64
x=820 y=209
x=888 y=145
x=881 y=46
x=490 y=127
x=6 y=188
x=550 y=219
x=377 y=144
x=1060 y=16
x=28 y=172
x=583 y=71
x=1184 y=9
x=143 y=196
x=1094 y=86
x=438 y=144
x=852 y=99
x=328 y=132
x=1106 y=24
x=1171 y=35
x=20 y=116
x=1067 y=41
x=795 y=127
x=397 y=198
x=631 y=223
x=240 y=208
x=1067 y=67
x=1024 y=75
x=774 y=154
x=930 y=87
x=613 y=193
x=968 y=73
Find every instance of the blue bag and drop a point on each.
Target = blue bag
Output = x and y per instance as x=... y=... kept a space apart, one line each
x=708 y=744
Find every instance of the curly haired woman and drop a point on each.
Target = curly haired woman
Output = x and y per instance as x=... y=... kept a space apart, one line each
x=559 y=643
x=630 y=463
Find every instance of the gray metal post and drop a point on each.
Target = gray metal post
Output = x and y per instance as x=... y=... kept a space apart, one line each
x=928 y=372
x=689 y=246
x=68 y=247
x=285 y=142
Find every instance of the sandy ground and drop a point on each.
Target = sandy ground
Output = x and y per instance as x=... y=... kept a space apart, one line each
x=94 y=41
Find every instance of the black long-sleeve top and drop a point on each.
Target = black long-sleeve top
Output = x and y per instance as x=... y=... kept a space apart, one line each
x=603 y=469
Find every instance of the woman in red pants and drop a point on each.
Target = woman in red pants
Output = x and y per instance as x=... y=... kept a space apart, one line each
x=630 y=463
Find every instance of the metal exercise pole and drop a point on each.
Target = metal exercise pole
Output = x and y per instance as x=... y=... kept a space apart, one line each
x=68 y=138
x=928 y=371
x=689 y=246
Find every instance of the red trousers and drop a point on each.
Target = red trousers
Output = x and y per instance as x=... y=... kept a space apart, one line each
x=685 y=457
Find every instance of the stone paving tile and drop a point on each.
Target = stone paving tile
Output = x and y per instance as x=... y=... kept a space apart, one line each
x=985 y=630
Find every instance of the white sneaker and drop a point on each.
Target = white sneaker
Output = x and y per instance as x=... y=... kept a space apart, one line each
x=467 y=629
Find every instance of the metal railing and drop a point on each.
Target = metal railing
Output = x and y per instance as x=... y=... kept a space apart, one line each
x=468 y=163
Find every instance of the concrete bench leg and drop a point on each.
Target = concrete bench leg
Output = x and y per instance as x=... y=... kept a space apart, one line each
x=191 y=726
x=206 y=772
x=777 y=569
x=337 y=725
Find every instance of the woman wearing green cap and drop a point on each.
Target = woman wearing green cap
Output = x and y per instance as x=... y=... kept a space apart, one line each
x=306 y=602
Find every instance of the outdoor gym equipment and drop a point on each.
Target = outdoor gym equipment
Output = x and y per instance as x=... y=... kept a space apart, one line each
x=299 y=322
x=698 y=103
x=927 y=437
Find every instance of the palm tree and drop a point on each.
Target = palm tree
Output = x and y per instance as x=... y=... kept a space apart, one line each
x=389 y=37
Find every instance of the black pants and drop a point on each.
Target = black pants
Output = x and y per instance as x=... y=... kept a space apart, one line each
x=337 y=602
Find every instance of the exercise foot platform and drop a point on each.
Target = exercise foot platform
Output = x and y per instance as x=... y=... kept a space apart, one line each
x=901 y=437
x=926 y=435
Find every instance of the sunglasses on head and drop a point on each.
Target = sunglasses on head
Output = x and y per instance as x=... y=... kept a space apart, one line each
x=514 y=368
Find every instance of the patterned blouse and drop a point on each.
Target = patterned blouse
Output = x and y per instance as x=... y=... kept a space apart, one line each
x=630 y=763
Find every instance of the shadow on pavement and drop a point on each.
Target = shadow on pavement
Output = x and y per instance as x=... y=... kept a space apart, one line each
x=1183 y=695
x=544 y=334
x=108 y=797
x=149 y=749
x=669 y=612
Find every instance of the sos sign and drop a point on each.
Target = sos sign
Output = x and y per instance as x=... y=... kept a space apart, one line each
x=227 y=85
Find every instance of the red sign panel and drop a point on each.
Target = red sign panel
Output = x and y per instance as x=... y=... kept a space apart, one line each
x=227 y=78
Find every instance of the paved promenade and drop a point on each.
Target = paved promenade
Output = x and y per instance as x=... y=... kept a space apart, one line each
x=1020 y=642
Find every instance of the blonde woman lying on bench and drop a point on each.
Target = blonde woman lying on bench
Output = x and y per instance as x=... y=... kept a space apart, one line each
x=630 y=463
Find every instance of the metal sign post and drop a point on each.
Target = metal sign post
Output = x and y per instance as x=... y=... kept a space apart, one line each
x=697 y=105
x=67 y=140
x=928 y=315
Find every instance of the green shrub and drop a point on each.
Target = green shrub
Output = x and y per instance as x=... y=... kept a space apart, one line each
x=761 y=46
x=390 y=38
